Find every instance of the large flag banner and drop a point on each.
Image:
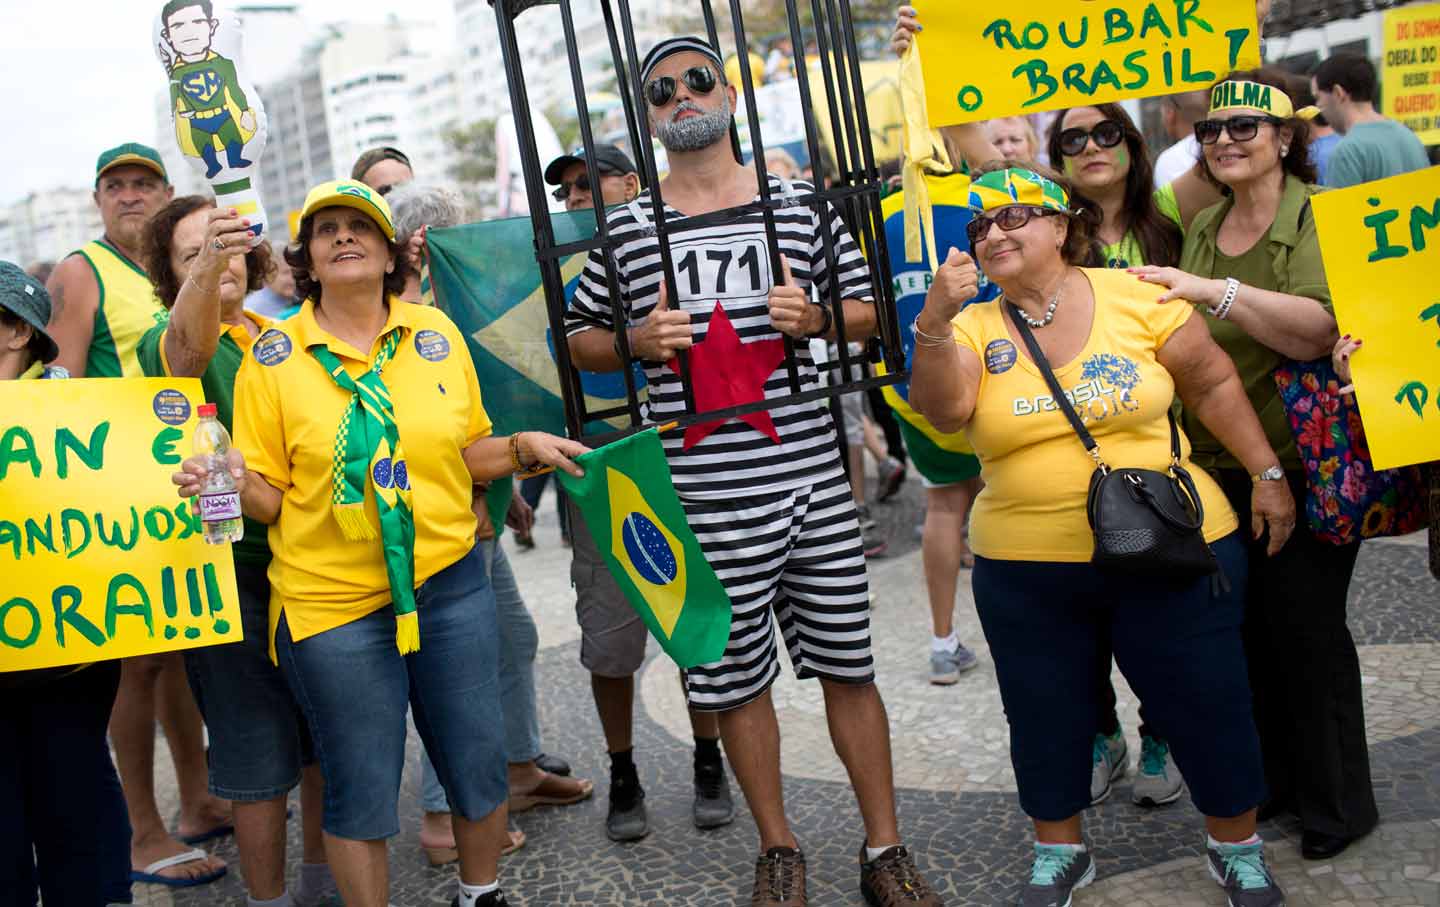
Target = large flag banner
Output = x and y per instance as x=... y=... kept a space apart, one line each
x=982 y=62
x=1379 y=241
x=630 y=506
x=950 y=198
x=100 y=558
x=487 y=280
x=1411 y=76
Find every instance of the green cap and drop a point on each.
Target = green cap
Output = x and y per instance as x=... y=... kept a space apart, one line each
x=25 y=296
x=130 y=153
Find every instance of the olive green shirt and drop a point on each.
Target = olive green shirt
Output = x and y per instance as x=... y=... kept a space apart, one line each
x=1286 y=260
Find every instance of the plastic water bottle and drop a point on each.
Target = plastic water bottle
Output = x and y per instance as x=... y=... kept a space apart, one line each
x=220 y=499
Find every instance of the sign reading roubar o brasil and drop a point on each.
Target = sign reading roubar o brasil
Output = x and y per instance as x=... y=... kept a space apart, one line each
x=100 y=559
x=982 y=60
x=1411 y=74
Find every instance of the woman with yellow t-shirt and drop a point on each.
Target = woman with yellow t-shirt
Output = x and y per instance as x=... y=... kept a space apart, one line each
x=1043 y=606
x=359 y=433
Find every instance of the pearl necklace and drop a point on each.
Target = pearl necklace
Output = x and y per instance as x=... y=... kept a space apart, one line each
x=1038 y=323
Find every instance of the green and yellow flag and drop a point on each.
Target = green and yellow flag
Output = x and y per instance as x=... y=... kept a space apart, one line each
x=629 y=504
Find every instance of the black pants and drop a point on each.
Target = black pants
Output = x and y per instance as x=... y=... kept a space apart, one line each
x=1305 y=673
x=63 y=825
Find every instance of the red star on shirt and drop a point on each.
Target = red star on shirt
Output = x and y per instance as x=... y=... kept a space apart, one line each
x=726 y=372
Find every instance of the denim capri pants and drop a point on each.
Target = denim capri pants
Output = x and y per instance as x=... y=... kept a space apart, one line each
x=354 y=686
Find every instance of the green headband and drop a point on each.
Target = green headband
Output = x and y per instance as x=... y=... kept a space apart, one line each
x=1017 y=186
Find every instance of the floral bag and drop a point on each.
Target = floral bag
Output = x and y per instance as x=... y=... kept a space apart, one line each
x=1348 y=500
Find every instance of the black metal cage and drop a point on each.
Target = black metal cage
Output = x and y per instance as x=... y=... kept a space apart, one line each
x=854 y=189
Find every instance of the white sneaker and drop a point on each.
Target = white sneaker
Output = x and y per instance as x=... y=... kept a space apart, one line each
x=1110 y=759
x=1158 y=782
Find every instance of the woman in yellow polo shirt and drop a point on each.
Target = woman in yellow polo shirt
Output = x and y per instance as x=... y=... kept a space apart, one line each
x=1121 y=359
x=362 y=431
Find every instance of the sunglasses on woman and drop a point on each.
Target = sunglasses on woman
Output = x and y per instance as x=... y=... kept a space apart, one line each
x=1106 y=133
x=1241 y=128
x=699 y=79
x=1009 y=219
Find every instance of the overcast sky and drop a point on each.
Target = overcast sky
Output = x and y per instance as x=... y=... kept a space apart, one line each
x=80 y=77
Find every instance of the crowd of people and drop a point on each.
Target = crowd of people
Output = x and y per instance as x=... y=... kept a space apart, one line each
x=1156 y=299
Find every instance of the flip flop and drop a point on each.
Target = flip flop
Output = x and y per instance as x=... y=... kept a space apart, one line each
x=552 y=791
x=151 y=874
x=442 y=856
x=219 y=831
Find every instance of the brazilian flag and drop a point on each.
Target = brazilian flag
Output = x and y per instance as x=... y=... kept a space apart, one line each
x=485 y=278
x=934 y=452
x=629 y=504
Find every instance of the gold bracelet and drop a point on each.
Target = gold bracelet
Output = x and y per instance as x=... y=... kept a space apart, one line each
x=209 y=291
x=515 y=453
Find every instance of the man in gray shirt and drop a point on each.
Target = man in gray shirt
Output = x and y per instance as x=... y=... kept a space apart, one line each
x=1373 y=147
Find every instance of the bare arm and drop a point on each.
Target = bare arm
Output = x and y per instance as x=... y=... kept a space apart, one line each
x=1193 y=193
x=194 y=330
x=259 y=500
x=1209 y=387
x=1295 y=326
x=74 y=297
x=489 y=458
x=945 y=377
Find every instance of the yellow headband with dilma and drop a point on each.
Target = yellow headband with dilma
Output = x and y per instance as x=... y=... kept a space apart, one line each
x=1235 y=95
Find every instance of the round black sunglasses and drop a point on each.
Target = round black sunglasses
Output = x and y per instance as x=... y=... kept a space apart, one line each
x=1106 y=133
x=699 y=79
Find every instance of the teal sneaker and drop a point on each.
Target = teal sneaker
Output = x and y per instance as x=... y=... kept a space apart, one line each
x=1110 y=757
x=1158 y=781
x=1240 y=869
x=1058 y=870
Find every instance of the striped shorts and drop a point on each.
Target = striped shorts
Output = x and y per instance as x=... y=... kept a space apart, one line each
x=797 y=555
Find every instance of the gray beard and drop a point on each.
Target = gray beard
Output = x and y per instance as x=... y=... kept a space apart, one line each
x=694 y=133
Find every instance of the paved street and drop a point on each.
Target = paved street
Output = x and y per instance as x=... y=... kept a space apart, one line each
x=957 y=795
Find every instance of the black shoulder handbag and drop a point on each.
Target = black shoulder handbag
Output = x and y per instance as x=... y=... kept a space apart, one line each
x=1144 y=521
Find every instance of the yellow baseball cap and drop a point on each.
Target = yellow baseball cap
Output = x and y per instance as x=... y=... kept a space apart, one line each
x=351 y=194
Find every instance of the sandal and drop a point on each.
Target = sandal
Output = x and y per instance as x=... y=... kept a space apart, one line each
x=444 y=856
x=553 y=790
x=151 y=874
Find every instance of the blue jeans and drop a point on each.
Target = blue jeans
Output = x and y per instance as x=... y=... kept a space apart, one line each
x=519 y=642
x=63 y=827
x=354 y=685
x=1178 y=645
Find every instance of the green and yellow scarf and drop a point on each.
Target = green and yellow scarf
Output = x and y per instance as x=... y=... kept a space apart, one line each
x=367 y=449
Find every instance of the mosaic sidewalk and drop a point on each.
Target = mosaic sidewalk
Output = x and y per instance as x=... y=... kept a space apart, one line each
x=956 y=791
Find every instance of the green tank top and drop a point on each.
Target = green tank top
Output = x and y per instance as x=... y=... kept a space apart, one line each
x=127 y=308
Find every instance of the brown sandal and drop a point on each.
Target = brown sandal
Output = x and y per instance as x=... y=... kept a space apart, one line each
x=444 y=856
x=553 y=790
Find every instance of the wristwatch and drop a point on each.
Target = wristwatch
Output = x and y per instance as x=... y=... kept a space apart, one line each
x=1273 y=474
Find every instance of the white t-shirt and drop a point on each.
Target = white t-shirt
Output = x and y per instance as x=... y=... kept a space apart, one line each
x=1175 y=161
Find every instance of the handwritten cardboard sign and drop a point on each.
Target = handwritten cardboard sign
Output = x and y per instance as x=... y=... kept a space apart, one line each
x=984 y=60
x=1411 y=74
x=100 y=558
x=1381 y=245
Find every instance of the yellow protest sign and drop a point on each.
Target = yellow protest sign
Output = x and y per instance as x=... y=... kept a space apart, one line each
x=1379 y=241
x=982 y=62
x=100 y=558
x=1411 y=75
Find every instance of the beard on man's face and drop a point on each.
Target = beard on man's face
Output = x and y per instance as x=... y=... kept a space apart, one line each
x=694 y=133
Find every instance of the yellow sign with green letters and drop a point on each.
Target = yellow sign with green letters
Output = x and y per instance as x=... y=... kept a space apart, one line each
x=1381 y=245
x=100 y=558
x=982 y=60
